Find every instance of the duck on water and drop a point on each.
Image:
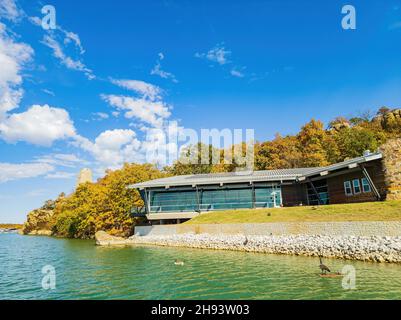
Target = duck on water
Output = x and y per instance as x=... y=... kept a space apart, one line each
x=326 y=269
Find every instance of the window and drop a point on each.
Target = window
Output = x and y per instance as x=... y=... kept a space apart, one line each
x=214 y=199
x=347 y=188
x=357 y=186
x=318 y=193
x=365 y=185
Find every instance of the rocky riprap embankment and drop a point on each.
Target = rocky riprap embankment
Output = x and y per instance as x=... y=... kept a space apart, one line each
x=377 y=249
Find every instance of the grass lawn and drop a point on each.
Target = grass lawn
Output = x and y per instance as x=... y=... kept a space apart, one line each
x=370 y=211
x=10 y=226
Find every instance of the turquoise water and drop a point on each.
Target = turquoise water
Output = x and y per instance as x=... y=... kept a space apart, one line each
x=84 y=271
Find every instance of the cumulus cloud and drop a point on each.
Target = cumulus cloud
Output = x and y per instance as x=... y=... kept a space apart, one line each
x=157 y=147
x=218 y=54
x=112 y=147
x=11 y=171
x=70 y=63
x=151 y=112
x=147 y=105
x=13 y=57
x=39 y=125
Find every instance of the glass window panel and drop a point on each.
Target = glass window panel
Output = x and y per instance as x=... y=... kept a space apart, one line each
x=217 y=199
x=366 y=185
x=348 y=188
x=357 y=186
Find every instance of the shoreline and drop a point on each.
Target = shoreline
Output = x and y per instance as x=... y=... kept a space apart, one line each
x=371 y=249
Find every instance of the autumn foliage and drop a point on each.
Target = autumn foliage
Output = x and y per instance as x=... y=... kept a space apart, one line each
x=104 y=205
x=107 y=204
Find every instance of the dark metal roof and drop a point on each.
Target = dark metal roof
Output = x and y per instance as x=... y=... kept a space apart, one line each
x=252 y=176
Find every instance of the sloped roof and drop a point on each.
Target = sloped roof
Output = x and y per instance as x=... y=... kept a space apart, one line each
x=251 y=176
x=346 y=163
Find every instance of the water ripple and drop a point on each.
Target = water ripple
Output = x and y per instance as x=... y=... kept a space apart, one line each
x=85 y=271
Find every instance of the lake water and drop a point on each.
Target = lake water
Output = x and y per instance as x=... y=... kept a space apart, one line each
x=84 y=271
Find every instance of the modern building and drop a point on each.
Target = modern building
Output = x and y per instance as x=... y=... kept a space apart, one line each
x=176 y=199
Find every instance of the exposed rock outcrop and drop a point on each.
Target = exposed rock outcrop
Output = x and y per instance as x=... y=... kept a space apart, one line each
x=104 y=239
x=338 y=124
x=38 y=220
x=392 y=166
x=41 y=233
x=389 y=120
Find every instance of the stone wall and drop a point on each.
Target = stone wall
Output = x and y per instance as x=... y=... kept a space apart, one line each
x=392 y=166
x=351 y=228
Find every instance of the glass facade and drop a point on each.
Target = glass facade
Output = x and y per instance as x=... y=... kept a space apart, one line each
x=321 y=188
x=215 y=199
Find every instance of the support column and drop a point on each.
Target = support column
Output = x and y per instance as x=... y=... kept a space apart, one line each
x=147 y=205
x=370 y=181
x=253 y=196
x=198 y=199
x=315 y=192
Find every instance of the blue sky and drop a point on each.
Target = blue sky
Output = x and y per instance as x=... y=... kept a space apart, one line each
x=87 y=93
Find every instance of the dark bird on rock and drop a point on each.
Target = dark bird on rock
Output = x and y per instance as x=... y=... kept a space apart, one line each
x=323 y=267
x=246 y=241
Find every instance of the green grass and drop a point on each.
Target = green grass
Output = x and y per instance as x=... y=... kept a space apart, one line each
x=371 y=211
x=10 y=226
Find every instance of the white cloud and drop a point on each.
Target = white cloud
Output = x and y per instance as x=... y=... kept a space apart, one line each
x=151 y=112
x=218 y=54
x=40 y=125
x=146 y=90
x=69 y=36
x=10 y=171
x=36 y=21
x=237 y=73
x=148 y=107
x=49 y=92
x=61 y=160
x=156 y=149
x=13 y=57
x=112 y=147
x=74 y=38
x=98 y=116
x=66 y=60
x=9 y=10
x=60 y=175
x=157 y=70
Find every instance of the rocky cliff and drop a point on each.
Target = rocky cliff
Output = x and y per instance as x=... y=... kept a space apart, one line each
x=389 y=120
x=392 y=167
x=38 y=220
